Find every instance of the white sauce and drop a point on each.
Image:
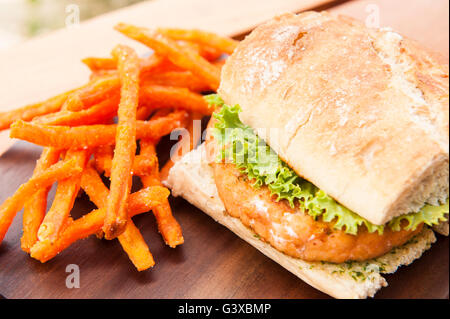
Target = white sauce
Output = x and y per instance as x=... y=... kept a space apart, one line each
x=260 y=206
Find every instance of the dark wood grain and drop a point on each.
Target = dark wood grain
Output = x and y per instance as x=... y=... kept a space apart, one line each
x=213 y=263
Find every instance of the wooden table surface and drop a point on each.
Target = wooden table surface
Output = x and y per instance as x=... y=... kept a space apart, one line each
x=213 y=262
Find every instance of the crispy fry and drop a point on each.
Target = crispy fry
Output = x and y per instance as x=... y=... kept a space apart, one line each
x=134 y=245
x=184 y=79
x=161 y=113
x=144 y=113
x=131 y=239
x=27 y=113
x=139 y=202
x=65 y=195
x=95 y=75
x=96 y=64
x=103 y=158
x=167 y=224
x=35 y=208
x=98 y=113
x=157 y=96
x=116 y=209
x=44 y=179
x=110 y=64
x=103 y=161
x=151 y=64
x=204 y=38
x=73 y=101
x=164 y=172
x=182 y=57
x=209 y=53
x=98 y=192
x=89 y=94
x=66 y=137
x=93 y=185
x=153 y=94
x=95 y=91
x=183 y=145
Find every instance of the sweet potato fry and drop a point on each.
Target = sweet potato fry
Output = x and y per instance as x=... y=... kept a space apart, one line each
x=185 y=144
x=204 y=38
x=116 y=209
x=158 y=96
x=161 y=113
x=66 y=137
x=93 y=185
x=27 y=113
x=103 y=158
x=97 y=90
x=103 y=162
x=167 y=224
x=96 y=114
x=96 y=64
x=35 y=208
x=110 y=64
x=131 y=239
x=73 y=101
x=143 y=113
x=95 y=75
x=182 y=57
x=147 y=67
x=151 y=63
x=89 y=94
x=209 y=53
x=44 y=179
x=139 y=202
x=134 y=245
x=184 y=79
x=65 y=195
x=98 y=192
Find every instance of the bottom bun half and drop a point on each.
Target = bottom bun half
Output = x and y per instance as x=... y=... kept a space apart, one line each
x=192 y=178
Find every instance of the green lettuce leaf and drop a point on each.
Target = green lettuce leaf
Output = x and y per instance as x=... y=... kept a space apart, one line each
x=242 y=147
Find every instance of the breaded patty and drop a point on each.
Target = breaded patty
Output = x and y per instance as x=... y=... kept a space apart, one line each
x=294 y=232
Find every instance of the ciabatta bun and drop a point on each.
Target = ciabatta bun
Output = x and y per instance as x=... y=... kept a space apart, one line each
x=361 y=113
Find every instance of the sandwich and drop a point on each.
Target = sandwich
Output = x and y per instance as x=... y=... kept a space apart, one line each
x=328 y=150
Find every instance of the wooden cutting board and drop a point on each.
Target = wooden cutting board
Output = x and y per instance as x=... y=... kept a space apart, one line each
x=213 y=263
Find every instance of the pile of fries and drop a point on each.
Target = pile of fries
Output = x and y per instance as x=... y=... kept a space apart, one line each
x=111 y=127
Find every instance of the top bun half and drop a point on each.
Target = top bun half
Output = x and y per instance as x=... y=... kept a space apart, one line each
x=361 y=113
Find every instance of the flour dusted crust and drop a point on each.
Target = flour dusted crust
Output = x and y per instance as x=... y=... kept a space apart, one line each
x=361 y=113
x=442 y=228
x=192 y=178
